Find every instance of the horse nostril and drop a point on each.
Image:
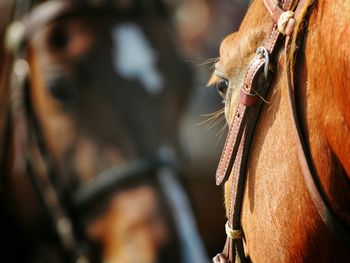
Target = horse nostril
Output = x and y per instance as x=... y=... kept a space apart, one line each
x=63 y=90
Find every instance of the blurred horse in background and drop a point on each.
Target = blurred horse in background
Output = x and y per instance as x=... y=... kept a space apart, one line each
x=91 y=96
x=200 y=42
x=289 y=201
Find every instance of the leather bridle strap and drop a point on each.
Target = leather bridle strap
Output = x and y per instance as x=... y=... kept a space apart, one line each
x=324 y=209
x=235 y=154
x=117 y=176
x=249 y=95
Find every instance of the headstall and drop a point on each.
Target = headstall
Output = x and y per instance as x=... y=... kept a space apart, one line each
x=234 y=157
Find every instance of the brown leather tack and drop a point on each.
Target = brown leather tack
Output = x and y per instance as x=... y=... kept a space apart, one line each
x=235 y=153
x=236 y=149
x=290 y=27
x=247 y=99
x=231 y=146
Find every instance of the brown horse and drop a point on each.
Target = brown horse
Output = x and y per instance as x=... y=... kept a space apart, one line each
x=90 y=120
x=281 y=215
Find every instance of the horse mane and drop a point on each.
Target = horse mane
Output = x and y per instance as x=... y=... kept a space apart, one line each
x=297 y=34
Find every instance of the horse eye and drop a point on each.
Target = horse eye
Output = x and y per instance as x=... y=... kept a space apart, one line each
x=222 y=87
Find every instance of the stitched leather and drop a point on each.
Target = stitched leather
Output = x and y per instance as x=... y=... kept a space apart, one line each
x=240 y=117
x=237 y=145
x=240 y=136
x=231 y=145
x=248 y=100
x=274 y=10
x=239 y=123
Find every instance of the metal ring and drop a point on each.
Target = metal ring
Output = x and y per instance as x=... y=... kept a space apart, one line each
x=262 y=51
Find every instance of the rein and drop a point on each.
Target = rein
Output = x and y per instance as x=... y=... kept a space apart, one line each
x=235 y=154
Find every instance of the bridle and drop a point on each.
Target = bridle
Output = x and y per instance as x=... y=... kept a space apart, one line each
x=235 y=154
x=161 y=169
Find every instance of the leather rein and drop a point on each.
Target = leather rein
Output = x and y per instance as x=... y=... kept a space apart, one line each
x=235 y=154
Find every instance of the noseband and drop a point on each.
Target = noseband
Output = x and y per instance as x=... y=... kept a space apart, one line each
x=234 y=157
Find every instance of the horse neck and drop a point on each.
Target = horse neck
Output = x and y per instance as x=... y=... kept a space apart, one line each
x=323 y=101
x=275 y=191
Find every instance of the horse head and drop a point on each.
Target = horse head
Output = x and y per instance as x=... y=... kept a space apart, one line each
x=99 y=88
x=289 y=201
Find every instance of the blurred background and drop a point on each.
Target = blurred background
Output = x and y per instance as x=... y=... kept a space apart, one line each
x=200 y=26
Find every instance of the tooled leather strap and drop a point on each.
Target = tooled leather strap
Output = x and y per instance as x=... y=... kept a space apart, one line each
x=236 y=149
x=248 y=99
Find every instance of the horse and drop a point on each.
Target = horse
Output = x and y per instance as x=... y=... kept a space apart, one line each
x=93 y=93
x=283 y=78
